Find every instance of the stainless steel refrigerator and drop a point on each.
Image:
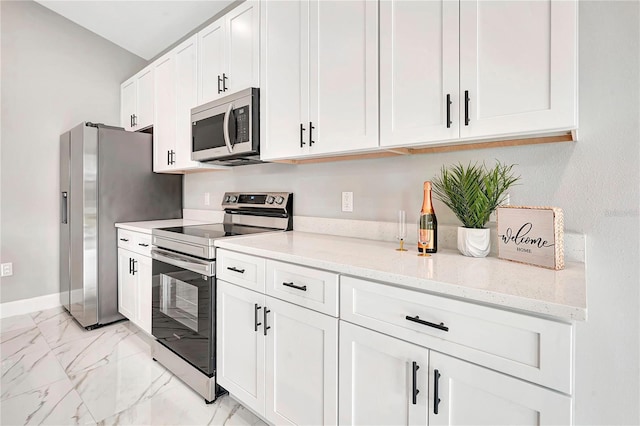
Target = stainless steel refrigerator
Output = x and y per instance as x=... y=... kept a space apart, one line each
x=105 y=177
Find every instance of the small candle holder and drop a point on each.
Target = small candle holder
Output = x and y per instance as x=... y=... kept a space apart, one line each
x=402 y=229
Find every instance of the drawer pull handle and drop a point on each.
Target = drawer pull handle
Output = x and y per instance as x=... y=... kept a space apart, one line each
x=255 y=317
x=234 y=269
x=143 y=245
x=297 y=287
x=265 y=327
x=124 y=239
x=436 y=400
x=417 y=319
x=415 y=383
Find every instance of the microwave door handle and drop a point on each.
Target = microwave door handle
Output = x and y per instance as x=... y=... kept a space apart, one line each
x=226 y=132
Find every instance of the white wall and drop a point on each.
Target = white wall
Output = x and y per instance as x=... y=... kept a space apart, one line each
x=596 y=181
x=55 y=74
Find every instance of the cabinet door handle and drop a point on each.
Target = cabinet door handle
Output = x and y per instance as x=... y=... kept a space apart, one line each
x=131 y=120
x=417 y=319
x=135 y=120
x=173 y=157
x=219 y=81
x=255 y=316
x=168 y=157
x=64 y=207
x=436 y=400
x=297 y=287
x=134 y=270
x=466 y=107
x=124 y=239
x=311 y=142
x=264 y=319
x=143 y=245
x=224 y=82
x=302 y=129
x=449 y=111
x=415 y=390
x=130 y=265
x=234 y=269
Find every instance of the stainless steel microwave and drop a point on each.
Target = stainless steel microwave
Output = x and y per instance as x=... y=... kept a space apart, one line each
x=227 y=131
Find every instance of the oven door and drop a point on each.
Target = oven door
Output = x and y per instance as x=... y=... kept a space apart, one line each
x=220 y=130
x=183 y=303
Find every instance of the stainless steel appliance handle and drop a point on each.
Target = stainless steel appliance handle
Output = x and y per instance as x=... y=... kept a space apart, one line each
x=65 y=207
x=203 y=267
x=225 y=129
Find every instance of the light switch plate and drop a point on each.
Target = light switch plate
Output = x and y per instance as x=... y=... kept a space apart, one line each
x=347 y=201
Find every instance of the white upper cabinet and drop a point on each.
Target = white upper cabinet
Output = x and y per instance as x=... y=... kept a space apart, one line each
x=319 y=78
x=476 y=69
x=229 y=53
x=419 y=66
x=136 y=101
x=164 y=131
x=518 y=66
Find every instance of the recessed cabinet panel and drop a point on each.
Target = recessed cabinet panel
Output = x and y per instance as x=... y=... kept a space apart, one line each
x=243 y=43
x=186 y=98
x=419 y=71
x=376 y=379
x=518 y=66
x=164 y=131
x=211 y=61
x=343 y=75
x=144 y=117
x=127 y=290
x=469 y=394
x=127 y=103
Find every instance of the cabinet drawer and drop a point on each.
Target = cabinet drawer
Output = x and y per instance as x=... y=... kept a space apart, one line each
x=535 y=349
x=241 y=269
x=312 y=288
x=137 y=242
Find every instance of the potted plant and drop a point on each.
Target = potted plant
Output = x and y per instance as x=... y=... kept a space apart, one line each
x=473 y=192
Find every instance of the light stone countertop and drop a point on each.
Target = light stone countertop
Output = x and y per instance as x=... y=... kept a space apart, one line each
x=146 y=226
x=559 y=294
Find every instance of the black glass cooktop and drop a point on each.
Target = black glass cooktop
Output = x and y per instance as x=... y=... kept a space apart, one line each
x=216 y=230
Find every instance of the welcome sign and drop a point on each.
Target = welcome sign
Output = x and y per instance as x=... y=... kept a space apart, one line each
x=532 y=235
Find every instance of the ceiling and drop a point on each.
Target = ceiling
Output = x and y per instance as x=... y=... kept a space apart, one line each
x=144 y=28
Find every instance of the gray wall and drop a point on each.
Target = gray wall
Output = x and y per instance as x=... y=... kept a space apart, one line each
x=596 y=182
x=55 y=74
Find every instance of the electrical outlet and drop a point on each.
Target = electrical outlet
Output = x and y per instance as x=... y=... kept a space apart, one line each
x=347 y=201
x=7 y=269
x=207 y=199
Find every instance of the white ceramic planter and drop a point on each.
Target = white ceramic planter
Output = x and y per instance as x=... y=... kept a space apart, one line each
x=474 y=242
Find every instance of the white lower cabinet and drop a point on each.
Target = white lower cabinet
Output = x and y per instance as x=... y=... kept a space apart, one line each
x=134 y=277
x=279 y=359
x=376 y=379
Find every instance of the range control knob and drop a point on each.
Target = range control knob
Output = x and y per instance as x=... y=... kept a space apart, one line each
x=270 y=199
x=279 y=200
x=233 y=198
x=226 y=198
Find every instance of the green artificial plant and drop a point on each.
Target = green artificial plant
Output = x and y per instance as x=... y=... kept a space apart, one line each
x=473 y=192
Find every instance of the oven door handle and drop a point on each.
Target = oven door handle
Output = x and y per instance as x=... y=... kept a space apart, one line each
x=225 y=128
x=203 y=267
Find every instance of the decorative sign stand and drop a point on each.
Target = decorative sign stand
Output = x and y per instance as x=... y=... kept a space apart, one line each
x=532 y=235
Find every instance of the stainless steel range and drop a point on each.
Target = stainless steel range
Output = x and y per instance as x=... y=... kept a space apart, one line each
x=184 y=284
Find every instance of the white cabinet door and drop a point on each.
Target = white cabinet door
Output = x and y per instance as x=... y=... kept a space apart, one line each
x=127 y=288
x=144 y=282
x=242 y=47
x=211 y=62
x=127 y=103
x=469 y=394
x=419 y=71
x=186 y=98
x=377 y=384
x=343 y=83
x=518 y=66
x=240 y=344
x=144 y=96
x=284 y=84
x=301 y=365
x=164 y=130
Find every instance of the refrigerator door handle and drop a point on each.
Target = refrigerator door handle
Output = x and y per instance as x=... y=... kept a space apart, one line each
x=65 y=208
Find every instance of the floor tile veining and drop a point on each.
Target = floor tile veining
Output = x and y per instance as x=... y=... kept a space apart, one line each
x=54 y=372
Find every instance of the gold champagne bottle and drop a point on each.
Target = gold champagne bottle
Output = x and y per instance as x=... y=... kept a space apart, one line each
x=427 y=224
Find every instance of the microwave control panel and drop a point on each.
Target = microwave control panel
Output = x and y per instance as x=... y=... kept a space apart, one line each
x=242 y=124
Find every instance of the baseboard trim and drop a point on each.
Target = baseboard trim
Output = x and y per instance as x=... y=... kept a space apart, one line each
x=26 y=306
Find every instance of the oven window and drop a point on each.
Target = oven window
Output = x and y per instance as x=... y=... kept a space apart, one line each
x=179 y=298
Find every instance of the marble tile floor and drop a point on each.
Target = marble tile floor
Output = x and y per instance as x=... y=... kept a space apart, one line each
x=54 y=372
